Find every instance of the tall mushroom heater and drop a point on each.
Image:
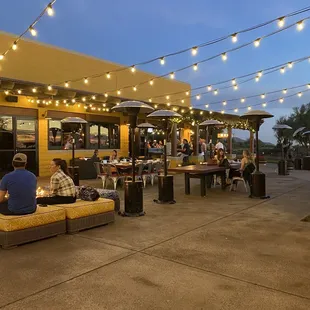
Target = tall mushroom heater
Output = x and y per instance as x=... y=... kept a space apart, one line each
x=145 y=126
x=75 y=122
x=258 y=186
x=282 y=164
x=210 y=124
x=133 y=189
x=165 y=182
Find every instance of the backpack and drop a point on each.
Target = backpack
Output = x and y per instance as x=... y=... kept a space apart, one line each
x=89 y=194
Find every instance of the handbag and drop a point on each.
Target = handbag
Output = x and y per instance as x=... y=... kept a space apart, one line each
x=89 y=193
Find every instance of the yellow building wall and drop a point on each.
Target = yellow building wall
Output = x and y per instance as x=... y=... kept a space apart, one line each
x=44 y=155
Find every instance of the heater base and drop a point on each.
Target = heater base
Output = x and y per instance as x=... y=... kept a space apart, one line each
x=133 y=199
x=165 y=190
x=258 y=187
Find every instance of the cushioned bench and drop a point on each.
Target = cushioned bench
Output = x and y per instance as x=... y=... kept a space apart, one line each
x=87 y=214
x=44 y=223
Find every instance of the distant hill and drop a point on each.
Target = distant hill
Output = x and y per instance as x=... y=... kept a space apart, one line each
x=239 y=140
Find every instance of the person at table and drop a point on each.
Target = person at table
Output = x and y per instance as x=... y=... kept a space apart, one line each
x=245 y=161
x=113 y=156
x=186 y=150
x=21 y=187
x=62 y=188
x=222 y=161
x=95 y=156
x=219 y=145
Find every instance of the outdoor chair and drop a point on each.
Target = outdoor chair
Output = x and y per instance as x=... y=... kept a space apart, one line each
x=235 y=181
x=155 y=171
x=113 y=174
x=147 y=173
x=139 y=170
x=100 y=170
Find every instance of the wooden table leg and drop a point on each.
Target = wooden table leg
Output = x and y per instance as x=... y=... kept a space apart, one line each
x=203 y=185
x=223 y=179
x=187 y=184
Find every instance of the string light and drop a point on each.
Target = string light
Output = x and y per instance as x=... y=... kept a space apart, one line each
x=134 y=88
x=281 y=22
x=290 y=65
x=119 y=92
x=222 y=111
x=106 y=95
x=78 y=105
x=257 y=42
x=155 y=106
x=191 y=108
x=86 y=80
x=300 y=25
x=93 y=97
x=162 y=61
x=192 y=112
x=234 y=37
x=167 y=97
x=83 y=99
x=73 y=100
x=49 y=87
x=260 y=74
x=65 y=101
x=224 y=103
x=33 y=31
x=257 y=78
x=194 y=51
x=67 y=104
x=224 y=56
x=242 y=100
x=57 y=104
x=236 y=87
x=6 y=92
x=195 y=67
x=104 y=105
x=281 y=100
x=168 y=104
x=233 y=82
x=299 y=94
x=133 y=69
x=172 y=75
x=198 y=97
x=236 y=110
x=108 y=75
x=34 y=90
x=308 y=85
x=264 y=104
x=201 y=112
x=207 y=106
x=249 y=108
x=151 y=82
x=215 y=92
x=50 y=10
x=209 y=87
x=263 y=96
x=14 y=46
x=1 y=57
x=150 y=100
x=182 y=101
x=66 y=84
x=210 y=112
x=282 y=70
x=284 y=91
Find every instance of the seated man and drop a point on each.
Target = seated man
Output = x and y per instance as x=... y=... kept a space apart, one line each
x=21 y=186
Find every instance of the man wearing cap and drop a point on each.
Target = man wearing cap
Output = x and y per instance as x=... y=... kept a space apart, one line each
x=21 y=186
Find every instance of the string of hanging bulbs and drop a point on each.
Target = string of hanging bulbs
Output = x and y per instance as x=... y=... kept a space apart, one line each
x=223 y=55
x=49 y=10
x=194 y=49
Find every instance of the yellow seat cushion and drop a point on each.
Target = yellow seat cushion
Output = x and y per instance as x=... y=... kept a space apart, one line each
x=43 y=216
x=82 y=208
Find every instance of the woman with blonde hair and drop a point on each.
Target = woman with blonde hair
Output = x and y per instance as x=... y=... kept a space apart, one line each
x=246 y=160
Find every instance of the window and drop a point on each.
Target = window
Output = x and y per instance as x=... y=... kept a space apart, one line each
x=60 y=136
x=99 y=135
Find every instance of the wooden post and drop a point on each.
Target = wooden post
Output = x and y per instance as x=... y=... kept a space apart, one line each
x=229 y=140
x=174 y=140
x=196 y=140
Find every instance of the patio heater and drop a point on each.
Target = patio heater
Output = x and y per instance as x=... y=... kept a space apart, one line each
x=165 y=181
x=297 y=161
x=306 y=159
x=258 y=188
x=76 y=122
x=210 y=125
x=133 y=189
x=282 y=164
x=145 y=126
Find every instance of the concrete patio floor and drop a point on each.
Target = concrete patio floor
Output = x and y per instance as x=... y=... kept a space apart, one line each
x=223 y=251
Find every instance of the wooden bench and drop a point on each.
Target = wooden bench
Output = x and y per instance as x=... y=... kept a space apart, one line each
x=19 y=229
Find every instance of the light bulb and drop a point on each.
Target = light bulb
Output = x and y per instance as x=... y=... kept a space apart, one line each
x=194 y=51
x=299 y=94
x=93 y=97
x=162 y=61
x=242 y=100
x=50 y=10
x=284 y=91
x=65 y=101
x=85 y=107
x=34 y=90
x=49 y=87
x=222 y=111
x=281 y=100
x=257 y=78
x=201 y=112
x=106 y=95
x=300 y=25
x=182 y=100
x=308 y=85
x=73 y=101
x=235 y=110
x=249 y=108
x=6 y=92
x=79 y=105
x=86 y=80
x=168 y=104
x=210 y=112
x=107 y=110
x=264 y=104
x=263 y=96
x=187 y=93
x=33 y=31
x=57 y=104
x=224 y=56
x=90 y=105
x=233 y=81
x=207 y=106
x=99 y=109
x=182 y=110
x=108 y=75
x=195 y=67
x=19 y=91
x=135 y=88
x=151 y=82
x=192 y=112
x=257 y=42
x=155 y=106
x=282 y=70
x=215 y=92
x=281 y=22
x=66 y=84
x=14 y=46
x=172 y=76
x=119 y=92
x=236 y=87
x=191 y=108
x=150 y=100
x=209 y=87
x=133 y=69
x=1 y=57
x=290 y=65
x=198 y=97
x=234 y=38
x=67 y=104
x=104 y=105
x=260 y=73
x=83 y=99
x=224 y=102
x=167 y=97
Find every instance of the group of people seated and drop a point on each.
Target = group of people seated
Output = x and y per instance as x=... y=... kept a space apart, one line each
x=21 y=187
x=111 y=158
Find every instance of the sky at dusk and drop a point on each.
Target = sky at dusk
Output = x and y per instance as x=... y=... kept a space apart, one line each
x=127 y=32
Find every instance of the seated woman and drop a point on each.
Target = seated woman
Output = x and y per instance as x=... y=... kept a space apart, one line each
x=222 y=161
x=246 y=160
x=62 y=188
x=113 y=157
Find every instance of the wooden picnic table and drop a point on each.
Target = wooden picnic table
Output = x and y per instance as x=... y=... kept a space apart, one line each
x=201 y=172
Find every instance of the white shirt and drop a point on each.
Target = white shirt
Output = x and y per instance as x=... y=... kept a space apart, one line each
x=219 y=145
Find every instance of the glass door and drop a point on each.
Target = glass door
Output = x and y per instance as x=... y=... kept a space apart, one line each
x=17 y=135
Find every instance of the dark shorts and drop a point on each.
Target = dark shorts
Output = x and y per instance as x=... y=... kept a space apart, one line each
x=4 y=209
